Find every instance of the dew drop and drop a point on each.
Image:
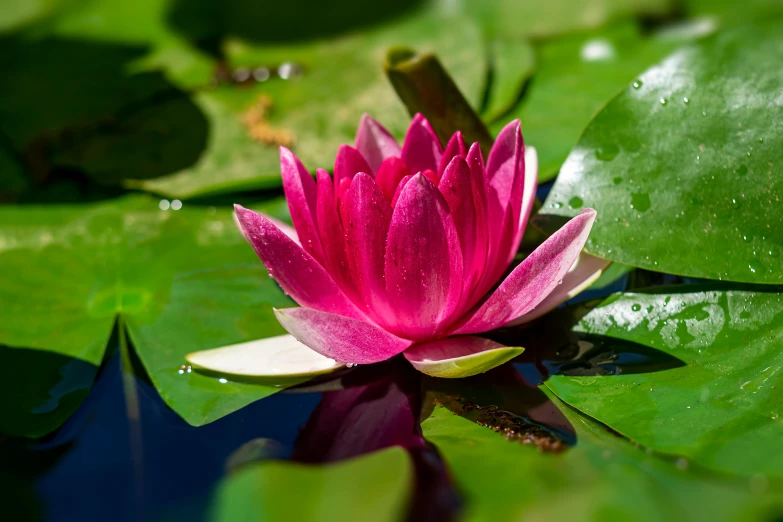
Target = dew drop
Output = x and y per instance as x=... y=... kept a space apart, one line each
x=637 y=84
x=557 y=205
x=185 y=368
x=222 y=380
x=663 y=101
x=607 y=152
x=773 y=252
x=755 y=267
x=575 y=202
x=636 y=307
x=640 y=201
x=736 y=203
x=261 y=74
x=686 y=100
x=617 y=180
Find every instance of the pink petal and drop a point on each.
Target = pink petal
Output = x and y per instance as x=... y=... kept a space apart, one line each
x=505 y=170
x=404 y=181
x=528 y=195
x=330 y=229
x=375 y=143
x=348 y=163
x=366 y=216
x=534 y=279
x=284 y=227
x=515 y=220
x=340 y=338
x=584 y=273
x=432 y=176
x=421 y=150
x=423 y=260
x=300 y=192
x=479 y=185
x=389 y=175
x=296 y=271
x=461 y=356
x=457 y=189
x=455 y=147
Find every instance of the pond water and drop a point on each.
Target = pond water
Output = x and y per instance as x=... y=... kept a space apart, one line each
x=124 y=455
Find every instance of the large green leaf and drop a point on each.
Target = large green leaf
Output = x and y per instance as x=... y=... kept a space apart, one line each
x=318 y=110
x=603 y=477
x=372 y=487
x=729 y=12
x=511 y=18
x=576 y=76
x=18 y=13
x=182 y=280
x=682 y=165
x=721 y=408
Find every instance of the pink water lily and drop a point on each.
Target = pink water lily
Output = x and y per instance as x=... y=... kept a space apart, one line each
x=402 y=249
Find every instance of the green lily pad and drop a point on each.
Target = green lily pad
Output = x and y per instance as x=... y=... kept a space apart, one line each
x=603 y=477
x=728 y=12
x=576 y=76
x=19 y=13
x=512 y=64
x=720 y=409
x=317 y=110
x=372 y=487
x=512 y=19
x=181 y=280
x=681 y=165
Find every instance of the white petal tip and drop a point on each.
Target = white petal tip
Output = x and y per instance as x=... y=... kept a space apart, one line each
x=274 y=358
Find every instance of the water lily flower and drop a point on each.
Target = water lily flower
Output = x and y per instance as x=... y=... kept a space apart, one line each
x=404 y=250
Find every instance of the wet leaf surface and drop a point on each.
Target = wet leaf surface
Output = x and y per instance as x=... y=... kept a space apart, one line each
x=508 y=18
x=577 y=75
x=602 y=477
x=701 y=378
x=681 y=166
x=182 y=280
x=372 y=487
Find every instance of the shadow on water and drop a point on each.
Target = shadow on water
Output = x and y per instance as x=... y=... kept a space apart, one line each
x=40 y=390
x=207 y=23
x=72 y=112
x=554 y=347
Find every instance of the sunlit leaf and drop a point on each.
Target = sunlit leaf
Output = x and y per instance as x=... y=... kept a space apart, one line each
x=576 y=77
x=720 y=409
x=372 y=487
x=181 y=280
x=603 y=477
x=681 y=166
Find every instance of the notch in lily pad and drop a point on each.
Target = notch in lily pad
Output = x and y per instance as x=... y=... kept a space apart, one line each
x=279 y=359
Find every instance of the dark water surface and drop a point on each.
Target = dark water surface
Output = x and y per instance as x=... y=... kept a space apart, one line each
x=125 y=456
